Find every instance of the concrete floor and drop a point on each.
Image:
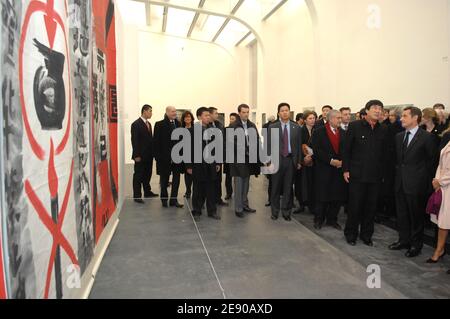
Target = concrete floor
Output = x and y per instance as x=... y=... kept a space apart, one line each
x=164 y=253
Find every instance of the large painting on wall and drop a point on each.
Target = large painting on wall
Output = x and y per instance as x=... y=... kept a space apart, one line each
x=104 y=114
x=53 y=191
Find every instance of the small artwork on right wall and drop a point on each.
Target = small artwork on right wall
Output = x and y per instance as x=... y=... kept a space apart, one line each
x=397 y=107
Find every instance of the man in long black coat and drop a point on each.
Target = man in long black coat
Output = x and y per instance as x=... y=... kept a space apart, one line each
x=162 y=148
x=364 y=159
x=204 y=173
x=215 y=123
x=330 y=186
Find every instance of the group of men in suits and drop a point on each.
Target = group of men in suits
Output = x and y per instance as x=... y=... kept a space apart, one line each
x=349 y=166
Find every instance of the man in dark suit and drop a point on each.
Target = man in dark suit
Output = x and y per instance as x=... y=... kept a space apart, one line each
x=215 y=123
x=387 y=193
x=272 y=120
x=330 y=187
x=290 y=158
x=299 y=119
x=162 y=147
x=142 y=140
x=241 y=171
x=204 y=173
x=323 y=120
x=226 y=166
x=415 y=152
x=346 y=113
x=364 y=158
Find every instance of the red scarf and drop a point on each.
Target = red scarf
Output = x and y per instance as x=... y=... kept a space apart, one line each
x=334 y=138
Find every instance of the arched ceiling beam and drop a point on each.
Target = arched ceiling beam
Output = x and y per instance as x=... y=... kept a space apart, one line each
x=207 y=12
x=194 y=21
x=225 y=23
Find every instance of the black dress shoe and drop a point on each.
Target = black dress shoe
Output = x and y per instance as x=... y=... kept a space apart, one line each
x=274 y=217
x=268 y=204
x=448 y=272
x=335 y=226
x=165 y=205
x=139 y=201
x=222 y=203
x=287 y=218
x=240 y=214
x=249 y=210
x=432 y=261
x=351 y=242
x=151 y=195
x=368 y=242
x=398 y=246
x=177 y=205
x=196 y=213
x=413 y=252
x=214 y=216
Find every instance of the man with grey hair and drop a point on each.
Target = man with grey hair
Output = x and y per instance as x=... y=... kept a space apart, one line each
x=329 y=183
x=162 y=146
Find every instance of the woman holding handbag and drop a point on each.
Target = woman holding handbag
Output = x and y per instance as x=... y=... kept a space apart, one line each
x=441 y=183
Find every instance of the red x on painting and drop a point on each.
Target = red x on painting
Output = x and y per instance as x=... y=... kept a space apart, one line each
x=54 y=228
x=51 y=21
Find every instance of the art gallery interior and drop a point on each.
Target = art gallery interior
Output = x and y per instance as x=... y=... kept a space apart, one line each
x=69 y=225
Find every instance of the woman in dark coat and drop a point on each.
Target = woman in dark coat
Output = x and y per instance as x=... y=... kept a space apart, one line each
x=430 y=123
x=187 y=121
x=307 y=189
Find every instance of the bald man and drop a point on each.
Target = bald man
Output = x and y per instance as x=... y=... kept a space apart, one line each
x=162 y=147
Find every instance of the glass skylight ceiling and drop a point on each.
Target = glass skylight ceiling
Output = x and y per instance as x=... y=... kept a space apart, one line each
x=209 y=27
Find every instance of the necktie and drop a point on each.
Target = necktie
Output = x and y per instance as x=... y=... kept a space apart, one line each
x=406 y=142
x=174 y=124
x=285 y=151
x=148 y=125
x=245 y=130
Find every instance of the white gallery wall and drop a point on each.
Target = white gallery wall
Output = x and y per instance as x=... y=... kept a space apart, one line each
x=345 y=52
x=186 y=74
x=287 y=60
x=396 y=50
x=312 y=53
x=168 y=71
